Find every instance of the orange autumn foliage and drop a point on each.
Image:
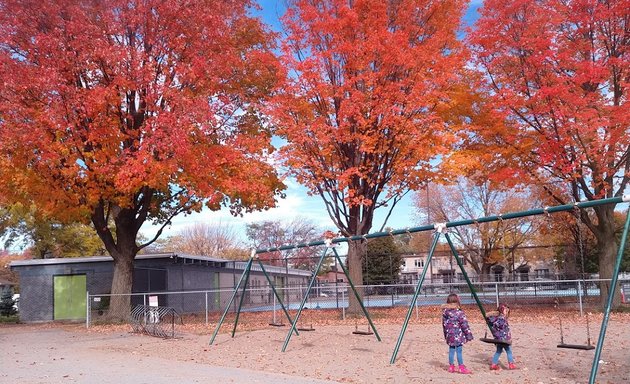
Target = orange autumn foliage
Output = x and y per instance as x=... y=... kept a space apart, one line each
x=361 y=110
x=362 y=113
x=558 y=72
x=134 y=111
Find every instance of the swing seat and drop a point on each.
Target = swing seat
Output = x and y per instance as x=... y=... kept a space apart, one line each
x=277 y=324
x=495 y=341
x=306 y=329
x=357 y=332
x=586 y=347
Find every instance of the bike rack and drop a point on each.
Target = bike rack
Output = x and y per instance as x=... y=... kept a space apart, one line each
x=154 y=321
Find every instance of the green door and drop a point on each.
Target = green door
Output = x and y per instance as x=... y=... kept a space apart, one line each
x=216 y=285
x=69 y=297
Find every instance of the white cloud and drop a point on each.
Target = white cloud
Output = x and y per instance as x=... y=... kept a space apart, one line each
x=297 y=203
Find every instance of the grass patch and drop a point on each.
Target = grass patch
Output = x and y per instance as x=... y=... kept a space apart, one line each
x=9 y=319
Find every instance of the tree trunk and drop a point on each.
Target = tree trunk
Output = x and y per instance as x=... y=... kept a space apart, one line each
x=356 y=252
x=607 y=247
x=123 y=250
x=607 y=253
x=120 y=302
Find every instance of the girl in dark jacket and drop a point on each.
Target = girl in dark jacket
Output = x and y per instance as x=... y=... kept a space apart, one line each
x=501 y=332
x=456 y=332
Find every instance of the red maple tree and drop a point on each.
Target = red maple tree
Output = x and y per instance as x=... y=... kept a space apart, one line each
x=361 y=109
x=128 y=112
x=558 y=71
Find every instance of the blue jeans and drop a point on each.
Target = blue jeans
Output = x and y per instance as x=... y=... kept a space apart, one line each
x=451 y=355
x=501 y=348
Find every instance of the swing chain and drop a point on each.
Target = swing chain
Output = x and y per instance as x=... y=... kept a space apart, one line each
x=588 y=330
x=560 y=319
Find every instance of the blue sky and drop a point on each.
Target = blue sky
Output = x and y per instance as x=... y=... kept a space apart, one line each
x=297 y=201
x=271 y=10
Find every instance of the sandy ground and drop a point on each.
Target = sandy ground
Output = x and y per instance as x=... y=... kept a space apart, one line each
x=331 y=353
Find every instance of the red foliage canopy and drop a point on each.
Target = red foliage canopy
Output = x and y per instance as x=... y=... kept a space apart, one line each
x=146 y=105
x=127 y=111
x=559 y=71
x=361 y=110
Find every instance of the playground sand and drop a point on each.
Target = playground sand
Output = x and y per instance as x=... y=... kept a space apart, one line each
x=330 y=353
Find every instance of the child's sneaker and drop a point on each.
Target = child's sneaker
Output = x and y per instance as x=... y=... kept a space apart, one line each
x=512 y=366
x=464 y=370
x=451 y=368
x=495 y=367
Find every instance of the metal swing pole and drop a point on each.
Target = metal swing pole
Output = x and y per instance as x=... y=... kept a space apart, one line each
x=308 y=291
x=415 y=297
x=240 y=303
x=470 y=286
x=611 y=295
x=356 y=294
x=275 y=292
x=227 y=307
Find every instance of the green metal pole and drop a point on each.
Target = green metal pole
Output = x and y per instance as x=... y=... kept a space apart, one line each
x=611 y=295
x=415 y=297
x=308 y=291
x=470 y=286
x=511 y=215
x=227 y=307
x=356 y=294
x=240 y=303
x=275 y=292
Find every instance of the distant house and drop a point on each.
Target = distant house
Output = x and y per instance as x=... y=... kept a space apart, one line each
x=331 y=283
x=331 y=277
x=442 y=269
x=58 y=289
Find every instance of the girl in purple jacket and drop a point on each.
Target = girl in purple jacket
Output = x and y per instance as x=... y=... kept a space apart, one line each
x=456 y=332
x=501 y=332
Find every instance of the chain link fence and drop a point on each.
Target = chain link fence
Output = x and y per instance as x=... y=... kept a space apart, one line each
x=206 y=307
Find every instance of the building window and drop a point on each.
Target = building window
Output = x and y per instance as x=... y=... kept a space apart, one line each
x=544 y=273
x=418 y=263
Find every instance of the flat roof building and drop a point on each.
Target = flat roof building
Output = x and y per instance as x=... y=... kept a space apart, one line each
x=58 y=289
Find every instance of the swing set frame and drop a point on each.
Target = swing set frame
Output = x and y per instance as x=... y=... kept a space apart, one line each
x=294 y=328
x=440 y=229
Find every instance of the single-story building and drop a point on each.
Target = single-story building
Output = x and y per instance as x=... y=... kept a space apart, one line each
x=59 y=289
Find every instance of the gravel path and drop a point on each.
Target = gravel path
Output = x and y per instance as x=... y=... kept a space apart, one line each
x=54 y=353
x=33 y=355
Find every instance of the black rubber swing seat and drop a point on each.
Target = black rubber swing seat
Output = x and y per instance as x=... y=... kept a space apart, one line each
x=576 y=346
x=495 y=341
x=363 y=332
